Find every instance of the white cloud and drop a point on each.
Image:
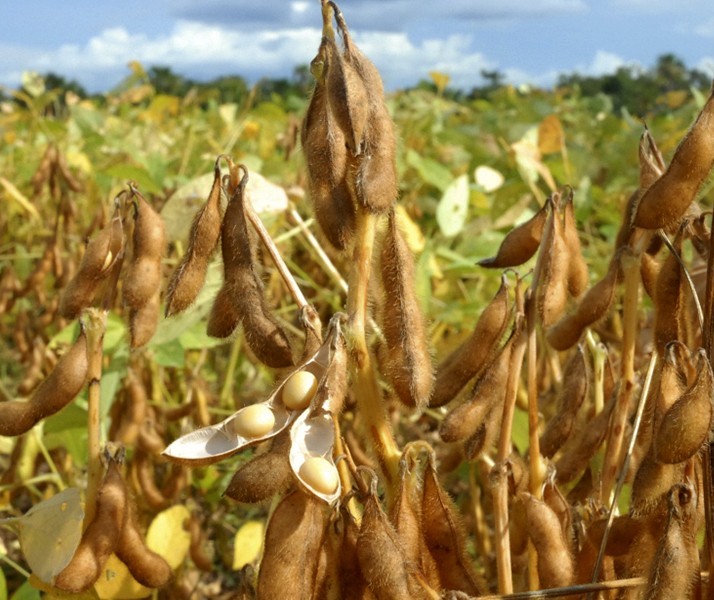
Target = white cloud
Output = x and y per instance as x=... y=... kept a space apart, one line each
x=189 y=46
x=403 y=62
x=705 y=29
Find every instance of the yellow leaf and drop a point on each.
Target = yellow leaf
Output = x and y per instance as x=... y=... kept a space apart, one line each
x=117 y=583
x=441 y=80
x=167 y=537
x=550 y=135
x=248 y=543
x=19 y=197
x=412 y=232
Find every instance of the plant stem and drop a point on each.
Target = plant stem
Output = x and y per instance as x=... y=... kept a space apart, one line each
x=499 y=472
x=613 y=455
x=369 y=396
x=278 y=261
x=644 y=392
x=94 y=324
x=573 y=590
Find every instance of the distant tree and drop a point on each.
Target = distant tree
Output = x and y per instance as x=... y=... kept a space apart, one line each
x=639 y=91
x=53 y=81
x=231 y=88
x=165 y=81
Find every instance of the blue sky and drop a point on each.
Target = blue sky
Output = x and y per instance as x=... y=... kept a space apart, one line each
x=530 y=41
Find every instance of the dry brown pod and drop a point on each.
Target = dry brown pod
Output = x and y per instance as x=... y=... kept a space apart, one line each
x=685 y=427
x=265 y=475
x=571 y=397
x=520 y=244
x=100 y=538
x=188 y=277
x=197 y=550
x=100 y=256
x=651 y=485
x=292 y=547
x=346 y=96
x=669 y=197
x=241 y=299
x=373 y=174
x=408 y=362
x=555 y=562
x=554 y=263
x=143 y=277
x=592 y=307
x=465 y=363
x=579 y=449
x=146 y=566
x=578 y=277
x=445 y=537
x=352 y=582
x=675 y=569
x=488 y=392
x=58 y=389
x=381 y=556
x=325 y=151
x=134 y=413
x=144 y=321
x=669 y=298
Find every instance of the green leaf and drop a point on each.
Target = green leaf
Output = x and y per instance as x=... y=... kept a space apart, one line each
x=26 y=592
x=141 y=176
x=3 y=586
x=74 y=440
x=430 y=171
x=453 y=208
x=170 y=354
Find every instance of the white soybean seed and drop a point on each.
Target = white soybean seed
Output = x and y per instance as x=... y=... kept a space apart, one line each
x=253 y=421
x=299 y=390
x=320 y=474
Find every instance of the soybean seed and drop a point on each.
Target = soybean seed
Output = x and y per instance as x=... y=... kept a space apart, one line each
x=299 y=390
x=320 y=474
x=252 y=421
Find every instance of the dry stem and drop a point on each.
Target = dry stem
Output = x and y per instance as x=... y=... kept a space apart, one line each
x=94 y=323
x=369 y=396
x=613 y=455
x=499 y=472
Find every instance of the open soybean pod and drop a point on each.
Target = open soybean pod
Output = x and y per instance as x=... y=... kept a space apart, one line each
x=593 y=306
x=58 y=389
x=687 y=424
x=520 y=244
x=675 y=569
x=669 y=197
x=188 y=277
x=100 y=256
x=408 y=362
x=325 y=151
x=257 y=422
x=571 y=397
x=292 y=547
x=445 y=537
x=475 y=352
x=312 y=435
x=143 y=278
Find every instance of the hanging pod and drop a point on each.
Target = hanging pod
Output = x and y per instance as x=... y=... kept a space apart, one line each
x=257 y=422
